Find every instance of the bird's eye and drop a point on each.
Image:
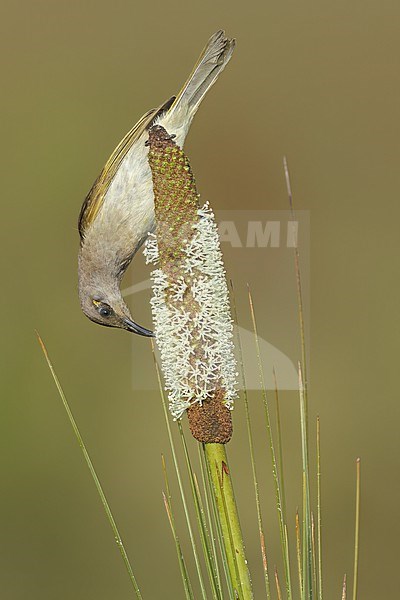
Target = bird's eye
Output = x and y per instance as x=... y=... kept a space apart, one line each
x=102 y=308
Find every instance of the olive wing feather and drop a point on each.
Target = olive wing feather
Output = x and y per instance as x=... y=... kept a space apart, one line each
x=94 y=200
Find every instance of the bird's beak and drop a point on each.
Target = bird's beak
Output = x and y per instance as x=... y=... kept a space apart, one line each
x=135 y=328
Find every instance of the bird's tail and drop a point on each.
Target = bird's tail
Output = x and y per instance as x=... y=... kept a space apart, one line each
x=210 y=64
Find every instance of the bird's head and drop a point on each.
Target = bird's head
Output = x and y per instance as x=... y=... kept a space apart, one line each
x=101 y=301
x=100 y=271
x=111 y=311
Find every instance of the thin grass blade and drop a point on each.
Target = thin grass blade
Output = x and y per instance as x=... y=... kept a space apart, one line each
x=278 y=494
x=319 y=532
x=298 y=553
x=344 y=588
x=252 y=453
x=280 y=447
x=182 y=565
x=180 y=483
x=307 y=542
x=299 y=289
x=305 y=590
x=210 y=547
x=357 y=527
x=93 y=473
x=314 y=559
x=278 y=585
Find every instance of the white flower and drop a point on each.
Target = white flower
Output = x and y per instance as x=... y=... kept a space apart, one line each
x=151 y=249
x=195 y=338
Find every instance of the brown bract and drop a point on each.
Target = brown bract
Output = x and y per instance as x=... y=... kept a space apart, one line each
x=211 y=422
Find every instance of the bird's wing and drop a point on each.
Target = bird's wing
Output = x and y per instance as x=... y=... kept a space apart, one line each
x=95 y=197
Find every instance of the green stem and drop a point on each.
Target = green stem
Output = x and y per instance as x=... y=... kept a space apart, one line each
x=229 y=519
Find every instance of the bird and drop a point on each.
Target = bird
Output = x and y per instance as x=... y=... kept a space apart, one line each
x=118 y=212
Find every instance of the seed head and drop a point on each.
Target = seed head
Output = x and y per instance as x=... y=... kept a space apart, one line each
x=190 y=304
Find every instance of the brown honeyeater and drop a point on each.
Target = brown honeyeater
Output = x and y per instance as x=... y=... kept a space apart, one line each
x=118 y=212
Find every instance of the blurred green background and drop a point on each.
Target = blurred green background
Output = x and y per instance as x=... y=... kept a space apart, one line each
x=317 y=81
